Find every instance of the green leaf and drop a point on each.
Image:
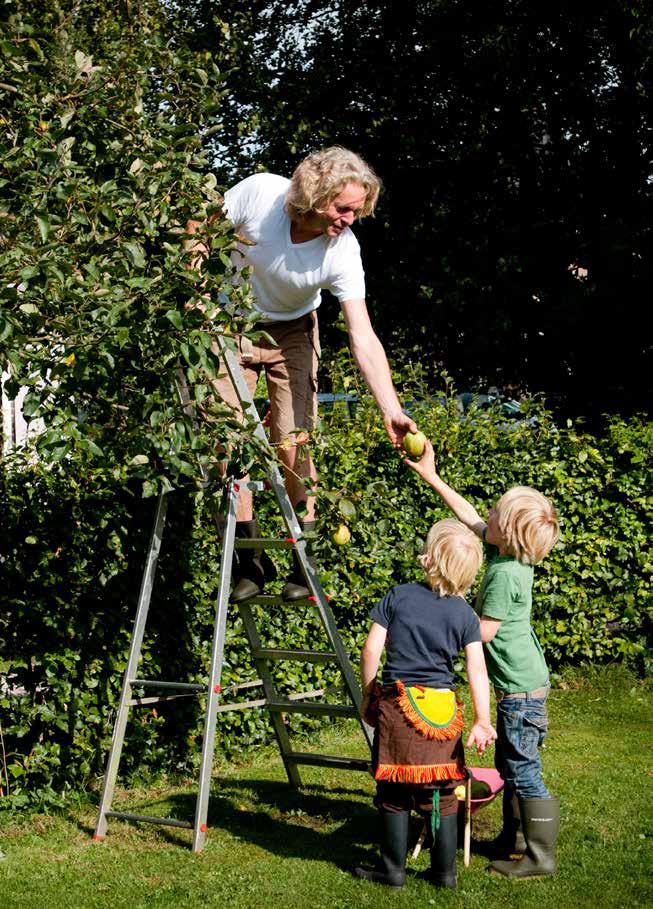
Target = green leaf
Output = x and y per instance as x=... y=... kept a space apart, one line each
x=136 y=254
x=66 y=117
x=44 y=227
x=174 y=316
x=347 y=508
x=139 y=460
x=136 y=166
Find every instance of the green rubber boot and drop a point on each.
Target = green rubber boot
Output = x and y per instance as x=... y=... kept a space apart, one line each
x=390 y=869
x=510 y=842
x=541 y=823
x=443 y=871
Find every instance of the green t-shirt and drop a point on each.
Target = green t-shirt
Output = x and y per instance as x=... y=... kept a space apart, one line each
x=514 y=658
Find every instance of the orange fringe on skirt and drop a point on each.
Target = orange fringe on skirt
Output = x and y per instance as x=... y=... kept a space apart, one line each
x=419 y=773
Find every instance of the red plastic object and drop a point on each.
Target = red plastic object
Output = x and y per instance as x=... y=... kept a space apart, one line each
x=217 y=689
x=237 y=487
x=494 y=780
x=97 y=838
x=203 y=828
x=290 y=540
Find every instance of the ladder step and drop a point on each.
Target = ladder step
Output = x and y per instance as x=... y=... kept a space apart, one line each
x=143 y=702
x=269 y=600
x=286 y=706
x=264 y=543
x=263 y=702
x=328 y=760
x=148 y=819
x=178 y=686
x=301 y=656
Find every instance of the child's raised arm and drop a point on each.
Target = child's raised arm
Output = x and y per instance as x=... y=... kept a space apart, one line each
x=463 y=510
x=482 y=732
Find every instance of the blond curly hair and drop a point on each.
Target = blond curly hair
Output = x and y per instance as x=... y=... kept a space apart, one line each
x=528 y=523
x=452 y=557
x=321 y=176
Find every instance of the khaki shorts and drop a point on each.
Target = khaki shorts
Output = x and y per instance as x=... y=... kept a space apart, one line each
x=291 y=372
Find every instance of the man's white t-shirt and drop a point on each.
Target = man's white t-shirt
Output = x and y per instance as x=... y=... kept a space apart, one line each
x=287 y=277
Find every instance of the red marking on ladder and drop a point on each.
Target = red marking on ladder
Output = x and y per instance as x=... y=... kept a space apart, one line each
x=97 y=837
x=313 y=599
x=217 y=689
x=290 y=540
x=203 y=828
x=236 y=487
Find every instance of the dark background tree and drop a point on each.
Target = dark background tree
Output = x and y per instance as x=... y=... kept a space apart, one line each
x=513 y=144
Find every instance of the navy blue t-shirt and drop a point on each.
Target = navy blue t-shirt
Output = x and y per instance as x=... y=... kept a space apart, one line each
x=426 y=633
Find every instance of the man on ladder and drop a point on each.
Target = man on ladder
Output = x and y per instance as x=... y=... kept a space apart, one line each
x=297 y=239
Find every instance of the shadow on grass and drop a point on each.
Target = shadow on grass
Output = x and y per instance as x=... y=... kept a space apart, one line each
x=335 y=825
x=316 y=823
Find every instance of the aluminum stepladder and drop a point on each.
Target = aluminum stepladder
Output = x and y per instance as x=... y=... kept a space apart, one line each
x=263 y=656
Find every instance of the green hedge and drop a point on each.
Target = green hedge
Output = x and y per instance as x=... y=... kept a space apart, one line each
x=74 y=540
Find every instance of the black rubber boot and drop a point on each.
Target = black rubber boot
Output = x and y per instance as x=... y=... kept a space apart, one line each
x=443 y=871
x=541 y=823
x=510 y=843
x=391 y=867
x=296 y=587
x=253 y=567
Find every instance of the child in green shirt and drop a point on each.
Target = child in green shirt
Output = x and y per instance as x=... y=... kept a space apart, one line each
x=521 y=530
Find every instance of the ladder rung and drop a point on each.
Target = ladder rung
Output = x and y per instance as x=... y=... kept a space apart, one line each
x=264 y=543
x=263 y=702
x=179 y=686
x=303 y=656
x=243 y=705
x=328 y=760
x=142 y=702
x=148 y=819
x=255 y=485
x=288 y=706
x=267 y=600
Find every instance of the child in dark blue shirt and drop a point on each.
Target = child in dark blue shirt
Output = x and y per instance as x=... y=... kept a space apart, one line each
x=418 y=756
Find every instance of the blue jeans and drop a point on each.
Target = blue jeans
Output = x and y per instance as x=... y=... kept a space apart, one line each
x=522 y=725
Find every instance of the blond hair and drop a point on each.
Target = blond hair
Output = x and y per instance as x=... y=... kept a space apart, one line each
x=528 y=523
x=452 y=556
x=321 y=176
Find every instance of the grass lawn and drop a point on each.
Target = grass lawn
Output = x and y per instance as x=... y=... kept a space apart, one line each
x=269 y=846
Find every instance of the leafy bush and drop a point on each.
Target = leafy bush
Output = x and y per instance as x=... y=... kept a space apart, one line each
x=105 y=113
x=74 y=542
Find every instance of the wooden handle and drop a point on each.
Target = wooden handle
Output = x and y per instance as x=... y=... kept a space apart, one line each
x=467 y=845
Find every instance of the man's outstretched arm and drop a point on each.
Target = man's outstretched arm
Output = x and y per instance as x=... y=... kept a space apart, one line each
x=370 y=358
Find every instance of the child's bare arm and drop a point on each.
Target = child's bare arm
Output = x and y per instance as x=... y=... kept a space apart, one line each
x=371 y=656
x=463 y=510
x=370 y=659
x=489 y=628
x=482 y=732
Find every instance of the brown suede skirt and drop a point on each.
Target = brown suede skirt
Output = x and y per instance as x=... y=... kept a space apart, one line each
x=405 y=751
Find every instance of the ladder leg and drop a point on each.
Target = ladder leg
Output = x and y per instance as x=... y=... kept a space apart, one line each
x=280 y=731
x=208 y=741
x=294 y=528
x=118 y=738
x=325 y=612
